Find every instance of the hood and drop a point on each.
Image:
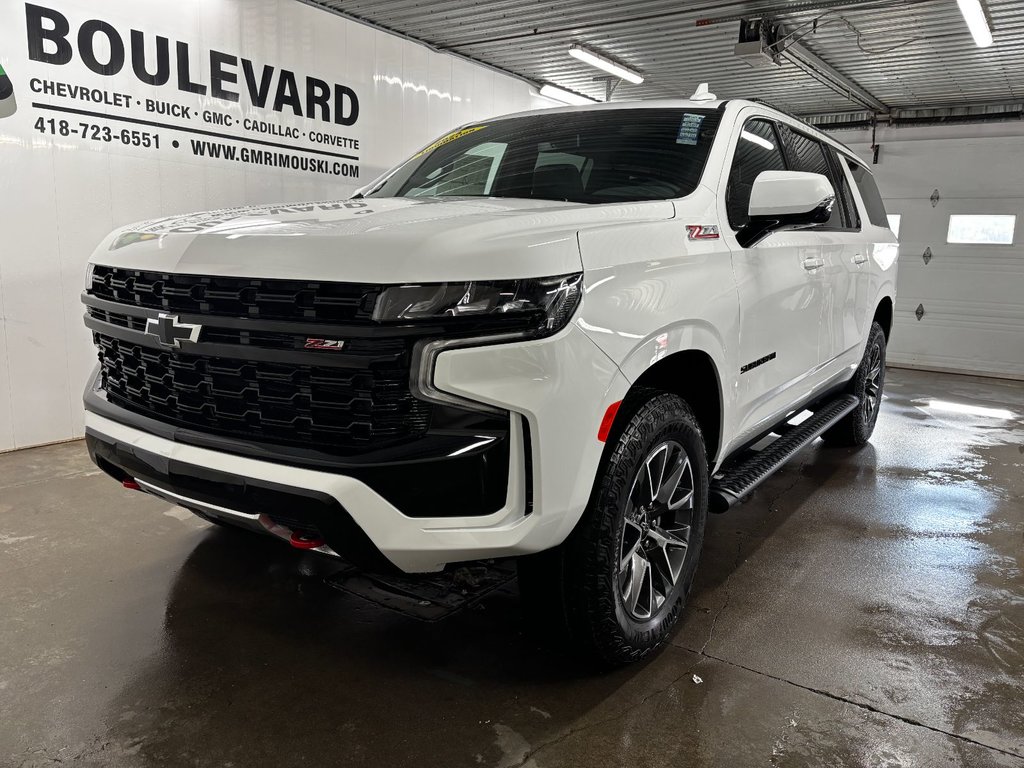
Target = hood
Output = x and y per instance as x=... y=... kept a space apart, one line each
x=372 y=240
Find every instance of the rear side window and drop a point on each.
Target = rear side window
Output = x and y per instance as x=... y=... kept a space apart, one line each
x=809 y=155
x=758 y=150
x=850 y=212
x=870 y=194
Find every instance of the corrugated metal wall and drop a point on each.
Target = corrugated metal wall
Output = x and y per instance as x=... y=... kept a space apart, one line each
x=936 y=63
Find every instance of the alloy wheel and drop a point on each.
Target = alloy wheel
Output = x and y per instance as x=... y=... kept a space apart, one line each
x=873 y=382
x=656 y=533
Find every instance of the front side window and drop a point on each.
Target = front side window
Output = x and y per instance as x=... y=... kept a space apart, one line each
x=757 y=150
x=602 y=156
x=810 y=156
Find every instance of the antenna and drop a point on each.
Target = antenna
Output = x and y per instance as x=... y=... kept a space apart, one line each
x=703 y=94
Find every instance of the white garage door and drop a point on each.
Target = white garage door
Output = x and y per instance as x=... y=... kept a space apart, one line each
x=960 y=305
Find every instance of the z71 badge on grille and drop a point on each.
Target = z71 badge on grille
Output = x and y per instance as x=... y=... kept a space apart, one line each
x=324 y=344
x=170 y=332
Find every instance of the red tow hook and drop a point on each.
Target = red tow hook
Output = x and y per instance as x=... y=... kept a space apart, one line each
x=301 y=540
x=131 y=485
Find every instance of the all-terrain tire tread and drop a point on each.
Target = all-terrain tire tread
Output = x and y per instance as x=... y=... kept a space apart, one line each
x=853 y=430
x=589 y=582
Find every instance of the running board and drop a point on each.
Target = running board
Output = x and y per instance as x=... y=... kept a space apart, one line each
x=737 y=480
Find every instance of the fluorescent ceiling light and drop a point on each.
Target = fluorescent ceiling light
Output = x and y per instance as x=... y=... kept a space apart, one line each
x=567 y=97
x=591 y=58
x=974 y=15
x=972 y=410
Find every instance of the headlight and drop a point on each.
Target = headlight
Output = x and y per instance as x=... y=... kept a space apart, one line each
x=543 y=304
x=89 y=270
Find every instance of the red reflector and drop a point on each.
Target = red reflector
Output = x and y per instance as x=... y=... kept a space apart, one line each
x=131 y=485
x=305 y=541
x=607 y=421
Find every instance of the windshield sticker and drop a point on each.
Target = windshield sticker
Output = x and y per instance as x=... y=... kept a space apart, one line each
x=450 y=137
x=689 y=129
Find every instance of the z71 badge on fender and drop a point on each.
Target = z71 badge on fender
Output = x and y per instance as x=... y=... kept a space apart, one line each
x=702 y=231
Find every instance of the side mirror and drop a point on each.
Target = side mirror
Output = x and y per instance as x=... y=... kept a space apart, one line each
x=786 y=200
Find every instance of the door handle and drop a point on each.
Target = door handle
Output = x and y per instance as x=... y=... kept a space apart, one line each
x=812 y=262
x=859 y=258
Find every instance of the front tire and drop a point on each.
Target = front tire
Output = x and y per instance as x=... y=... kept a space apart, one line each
x=868 y=382
x=617 y=585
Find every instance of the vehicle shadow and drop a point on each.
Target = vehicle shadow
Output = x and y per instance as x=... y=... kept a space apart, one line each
x=262 y=662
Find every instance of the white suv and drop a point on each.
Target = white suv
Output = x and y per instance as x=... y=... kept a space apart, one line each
x=558 y=335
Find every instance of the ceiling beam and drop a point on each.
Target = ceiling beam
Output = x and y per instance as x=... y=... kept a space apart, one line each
x=811 y=64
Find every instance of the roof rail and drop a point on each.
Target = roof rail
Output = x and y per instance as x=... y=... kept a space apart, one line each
x=786 y=112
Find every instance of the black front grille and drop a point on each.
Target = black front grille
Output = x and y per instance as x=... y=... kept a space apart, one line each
x=335 y=409
x=256 y=298
x=367 y=348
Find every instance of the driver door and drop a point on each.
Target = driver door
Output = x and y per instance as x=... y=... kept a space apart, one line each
x=781 y=289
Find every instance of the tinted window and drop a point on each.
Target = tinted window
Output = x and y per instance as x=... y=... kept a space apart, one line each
x=589 y=157
x=851 y=216
x=757 y=150
x=808 y=155
x=870 y=194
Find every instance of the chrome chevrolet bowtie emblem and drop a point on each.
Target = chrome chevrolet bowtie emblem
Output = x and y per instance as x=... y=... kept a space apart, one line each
x=170 y=332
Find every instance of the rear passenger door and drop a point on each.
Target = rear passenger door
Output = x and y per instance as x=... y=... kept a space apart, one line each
x=876 y=240
x=842 y=252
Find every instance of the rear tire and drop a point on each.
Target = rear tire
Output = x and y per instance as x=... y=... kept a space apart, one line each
x=868 y=382
x=616 y=587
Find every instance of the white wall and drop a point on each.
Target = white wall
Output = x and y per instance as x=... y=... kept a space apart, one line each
x=973 y=295
x=59 y=195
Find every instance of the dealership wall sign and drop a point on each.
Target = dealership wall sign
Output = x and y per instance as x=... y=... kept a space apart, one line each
x=197 y=88
x=122 y=111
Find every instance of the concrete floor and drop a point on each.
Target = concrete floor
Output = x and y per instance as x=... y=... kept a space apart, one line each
x=864 y=608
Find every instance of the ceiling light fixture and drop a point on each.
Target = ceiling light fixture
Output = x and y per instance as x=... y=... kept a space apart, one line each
x=974 y=15
x=609 y=66
x=566 y=97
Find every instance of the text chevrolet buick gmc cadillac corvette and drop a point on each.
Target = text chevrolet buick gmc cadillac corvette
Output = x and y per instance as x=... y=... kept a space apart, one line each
x=555 y=335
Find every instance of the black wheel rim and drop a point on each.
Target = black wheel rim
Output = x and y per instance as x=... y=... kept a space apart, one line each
x=656 y=532
x=873 y=382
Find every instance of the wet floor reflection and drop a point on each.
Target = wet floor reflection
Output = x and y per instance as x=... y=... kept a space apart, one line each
x=864 y=607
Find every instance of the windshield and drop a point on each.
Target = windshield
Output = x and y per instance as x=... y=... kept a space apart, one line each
x=601 y=156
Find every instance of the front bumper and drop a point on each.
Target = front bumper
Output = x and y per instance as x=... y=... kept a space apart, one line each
x=556 y=391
